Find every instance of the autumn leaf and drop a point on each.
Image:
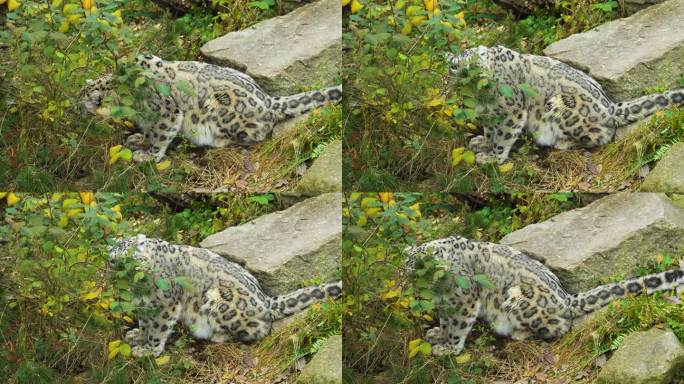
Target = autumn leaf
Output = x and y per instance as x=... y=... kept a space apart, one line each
x=164 y=165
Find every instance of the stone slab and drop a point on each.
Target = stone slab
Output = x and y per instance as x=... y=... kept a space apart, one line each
x=326 y=365
x=284 y=248
x=630 y=54
x=607 y=237
x=325 y=174
x=668 y=174
x=650 y=357
x=287 y=53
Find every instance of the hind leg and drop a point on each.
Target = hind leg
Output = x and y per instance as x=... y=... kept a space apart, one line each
x=154 y=330
x=453 y=329
x=499 y=140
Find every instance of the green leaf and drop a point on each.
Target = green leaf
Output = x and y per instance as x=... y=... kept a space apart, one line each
x=483 y=281
x=138 y=276
x=140 y=81
x=163 y=89
x=505 y=91
x=162 y=284
x=462 y=282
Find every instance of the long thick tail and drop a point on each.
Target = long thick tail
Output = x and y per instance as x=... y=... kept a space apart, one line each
x=301 y=103
x=634 y=110
x=593 y=299
x=293 y=302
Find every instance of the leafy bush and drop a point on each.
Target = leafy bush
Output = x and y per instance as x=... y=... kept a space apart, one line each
x=63 y=308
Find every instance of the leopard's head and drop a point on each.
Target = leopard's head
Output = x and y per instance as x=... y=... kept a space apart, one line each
x=456 y=62
x=93 y=92
x=128 y=247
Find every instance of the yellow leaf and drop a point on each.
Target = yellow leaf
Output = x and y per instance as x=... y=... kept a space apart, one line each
x=12 y=5
x=406 y=30
x=404 y=302
x=115 y=149
x=2 y=194
x=416 y=208
x=430 y=4
x=385 y=197
x=356 y=6
x=463 y=358
x=372 y=212
x=92 y=295
x=113 y=345
x=64 y=27
x=469 y=157
x=460 y=15
x=87 y=4
x=12 y=199
x=162 y=360
x=505 y=168
x=55 y=3
x=366 y=201
x=104 y=304
x=128 y=319
x=126 y=155
x=457 y=156
x=418 y=20
x=345 y=2
x=63 y=222
x=427 y=317
x=2 y=2
x=413 y=347
x=392 y=293
x=86 y=197
x=117 y=208
x=362 y=221
x=659 y=259
x=436 y=102
x=163 y=165
x=413 y=10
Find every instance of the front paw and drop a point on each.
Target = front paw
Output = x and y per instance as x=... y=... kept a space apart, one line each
x=135 y=141
x=133 y=336
x=145 y=350
x=445 y=349
x=434 y=335
x=478 y=144
x=143 y=155
x=487 y=158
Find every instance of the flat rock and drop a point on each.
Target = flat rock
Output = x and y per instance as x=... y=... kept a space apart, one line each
x=650 y=357
x=637 y=52
x=326 y=365
x=668 y=174
x=287 y=53
x=325 y=175
x=284 y=248
x=286 y=126
x=609 y=236
x=632 y=6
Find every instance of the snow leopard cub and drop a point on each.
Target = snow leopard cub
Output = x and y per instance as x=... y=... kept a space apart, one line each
x=208 y=104
x=525 y=298
x=224 y=302
x=570 y=109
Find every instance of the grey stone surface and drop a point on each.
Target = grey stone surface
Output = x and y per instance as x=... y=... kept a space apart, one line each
x=326 y=365
x=325 y=175
x=286 y=126
x=630 y=54
x=668 y=174
x=650 y=357
x=286 y=53
x=632 y=6
x=609 y=236
x=287 y=247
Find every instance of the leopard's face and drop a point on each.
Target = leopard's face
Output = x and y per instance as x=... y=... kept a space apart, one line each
x=132 y=246
x=457 y=62
x=91 y=95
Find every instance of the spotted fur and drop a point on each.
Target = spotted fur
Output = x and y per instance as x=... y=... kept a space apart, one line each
x=210 y=105
x=570 y=108
x=223 y=302
x=525 y=298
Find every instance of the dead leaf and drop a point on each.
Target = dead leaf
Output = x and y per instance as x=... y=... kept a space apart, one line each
x=248 y=360
x=300 y=364
x=550 y=358
x=600 y=361
x=593 y=168
x=644 y=171
x=661 y=325
x=301 y=169
x=249 y=166
x=281 y=183
x=583 y=186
